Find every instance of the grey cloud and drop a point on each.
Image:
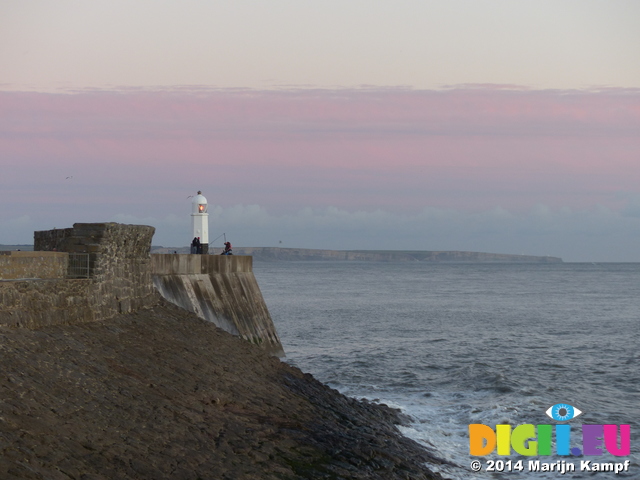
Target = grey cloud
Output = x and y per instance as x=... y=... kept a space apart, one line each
x=595 y=235
x=587 y=235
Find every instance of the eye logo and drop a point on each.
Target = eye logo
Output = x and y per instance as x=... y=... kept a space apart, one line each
x=563 y=412
x=530 y=440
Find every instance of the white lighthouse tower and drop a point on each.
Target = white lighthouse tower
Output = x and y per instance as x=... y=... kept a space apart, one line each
x=200 y=221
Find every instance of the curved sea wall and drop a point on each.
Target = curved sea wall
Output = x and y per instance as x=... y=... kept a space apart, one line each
x=220 y=289
x=95 y=271
x=162 y=394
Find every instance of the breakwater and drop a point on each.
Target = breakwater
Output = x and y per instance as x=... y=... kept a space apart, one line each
x=160 y=393
x=220 y=289
x=18 y=264
x=116 y=276
x=94 y=271
x=104 y=378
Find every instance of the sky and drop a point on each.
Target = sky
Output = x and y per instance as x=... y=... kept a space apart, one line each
x=500 y=126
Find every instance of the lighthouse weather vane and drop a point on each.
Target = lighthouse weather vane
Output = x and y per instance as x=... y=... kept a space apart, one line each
x=199 y=224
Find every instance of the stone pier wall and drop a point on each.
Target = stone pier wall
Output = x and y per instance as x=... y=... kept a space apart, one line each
x=220 y=289
x=123 y=278
x=39 y=303
x=119 y=282
x=15 y=265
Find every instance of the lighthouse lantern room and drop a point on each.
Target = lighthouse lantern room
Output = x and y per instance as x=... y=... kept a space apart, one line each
x=200 y=221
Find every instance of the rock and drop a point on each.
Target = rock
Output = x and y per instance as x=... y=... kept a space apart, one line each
x=163 y=394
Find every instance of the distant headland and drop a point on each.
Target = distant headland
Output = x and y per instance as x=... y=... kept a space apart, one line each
x=278 y=254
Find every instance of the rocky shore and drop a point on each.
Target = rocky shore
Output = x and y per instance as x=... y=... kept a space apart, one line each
x=162 y=394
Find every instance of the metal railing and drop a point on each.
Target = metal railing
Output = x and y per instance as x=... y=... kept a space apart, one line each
x=79 y=266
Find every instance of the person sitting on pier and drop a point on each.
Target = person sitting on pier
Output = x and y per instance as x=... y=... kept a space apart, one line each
x=227 y=249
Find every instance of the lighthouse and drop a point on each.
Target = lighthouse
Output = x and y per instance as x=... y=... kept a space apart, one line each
x=200 y=221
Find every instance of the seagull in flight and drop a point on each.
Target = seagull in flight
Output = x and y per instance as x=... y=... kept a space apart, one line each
x=69 y=177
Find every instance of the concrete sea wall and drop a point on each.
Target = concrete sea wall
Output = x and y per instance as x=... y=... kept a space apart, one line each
x=40 y=288
x=220 y=289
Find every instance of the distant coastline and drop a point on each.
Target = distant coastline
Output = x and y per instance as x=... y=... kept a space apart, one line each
x=13 y=248
x=278 y=254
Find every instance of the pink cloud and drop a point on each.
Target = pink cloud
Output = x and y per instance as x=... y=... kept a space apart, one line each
x=399 y=149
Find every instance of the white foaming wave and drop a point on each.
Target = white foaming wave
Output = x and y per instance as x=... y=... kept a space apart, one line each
x=437 y=423
x=440 y=423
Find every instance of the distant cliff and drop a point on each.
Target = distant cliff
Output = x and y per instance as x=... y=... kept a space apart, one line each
x=292 y=254
x=272 y=254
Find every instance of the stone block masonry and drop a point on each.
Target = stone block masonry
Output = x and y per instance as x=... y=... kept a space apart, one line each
x=40 y=303
x=15 y=265
x=161 y=394
x=124 y=278
x=119 y=281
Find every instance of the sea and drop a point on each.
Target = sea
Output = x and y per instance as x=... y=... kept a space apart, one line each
x=457 y=344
